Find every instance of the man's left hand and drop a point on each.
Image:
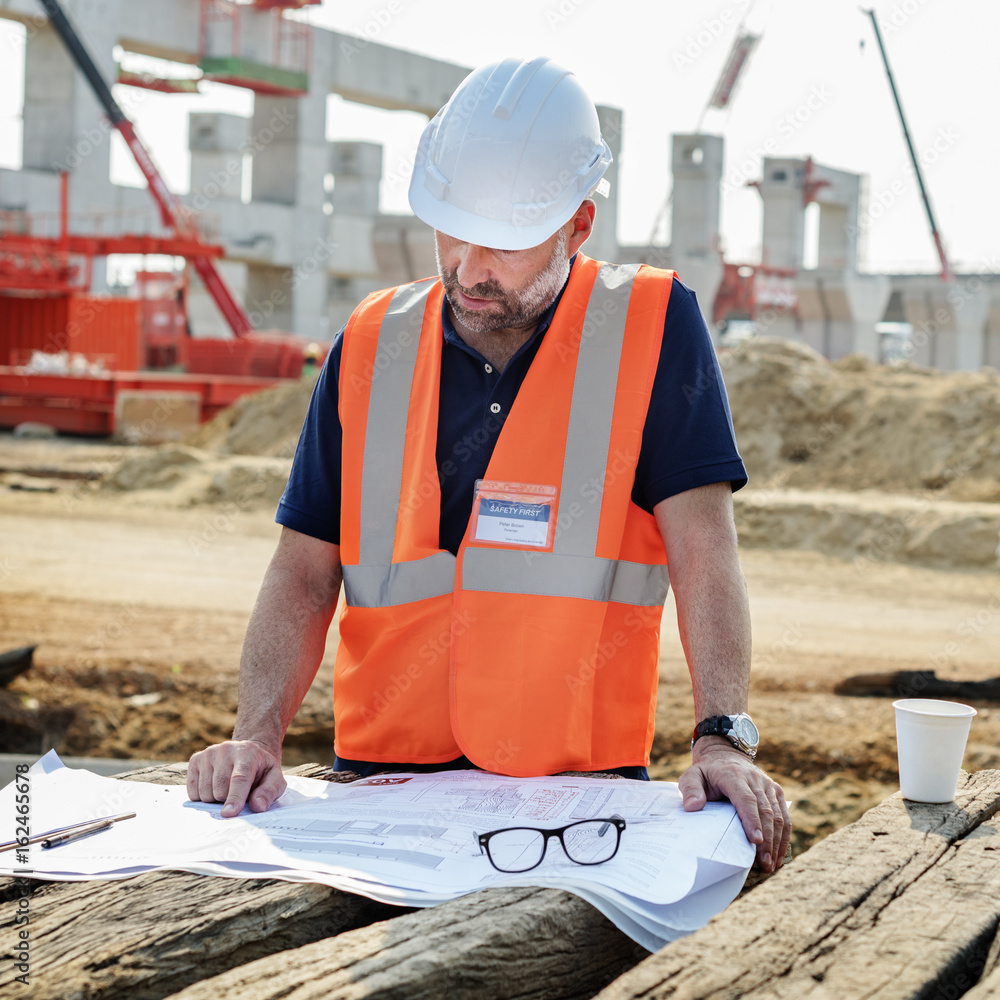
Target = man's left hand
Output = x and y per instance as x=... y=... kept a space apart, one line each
x=720 y=771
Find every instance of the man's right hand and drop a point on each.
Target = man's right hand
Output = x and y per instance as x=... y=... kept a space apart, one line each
x=236 y=772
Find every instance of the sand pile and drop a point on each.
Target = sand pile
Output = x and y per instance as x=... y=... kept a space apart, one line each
x=262 y=423
x=803 y=422
x=242 y=456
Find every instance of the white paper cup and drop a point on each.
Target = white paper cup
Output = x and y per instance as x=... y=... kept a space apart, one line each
x=930 y=740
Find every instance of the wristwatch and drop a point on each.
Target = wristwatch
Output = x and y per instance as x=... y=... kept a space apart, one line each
x=738 y=729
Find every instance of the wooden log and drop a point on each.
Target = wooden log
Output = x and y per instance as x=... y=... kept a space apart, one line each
x=498 y=943
x=149 y=936
x=903 y=903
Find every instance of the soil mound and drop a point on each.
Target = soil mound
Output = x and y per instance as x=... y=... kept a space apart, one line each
x=261 y=423
x=243 y=455
x=803 y=422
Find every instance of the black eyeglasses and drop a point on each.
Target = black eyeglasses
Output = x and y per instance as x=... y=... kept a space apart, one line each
x=521 y=848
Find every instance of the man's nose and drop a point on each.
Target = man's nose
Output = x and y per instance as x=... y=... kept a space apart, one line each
x=473 y=265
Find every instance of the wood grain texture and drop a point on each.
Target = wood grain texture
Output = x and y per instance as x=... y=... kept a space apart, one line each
x=903 y=903
x=149 y=936
x=499 y=944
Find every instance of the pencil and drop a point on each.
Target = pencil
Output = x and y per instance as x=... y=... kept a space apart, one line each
x=38 y=838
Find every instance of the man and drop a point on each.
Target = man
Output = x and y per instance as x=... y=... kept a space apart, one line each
x=500 y=465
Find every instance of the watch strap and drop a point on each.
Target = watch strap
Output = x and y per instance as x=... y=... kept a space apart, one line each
x=721 y=725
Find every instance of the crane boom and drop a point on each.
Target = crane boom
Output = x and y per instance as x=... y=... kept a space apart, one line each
x=173 y=212
x=946 y=272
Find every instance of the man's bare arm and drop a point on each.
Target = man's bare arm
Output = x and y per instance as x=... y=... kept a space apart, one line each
x=713 y=618
x=281 y=653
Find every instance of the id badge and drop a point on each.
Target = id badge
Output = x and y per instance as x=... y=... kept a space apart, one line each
x=516 y=514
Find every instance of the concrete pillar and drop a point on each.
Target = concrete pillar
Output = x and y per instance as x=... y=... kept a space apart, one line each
x=839 y=203
x=274 y=138
x=969 y=312
x=291 y=159
x=51 y=95
x=934 y=337
x=217 y=142
x=696 y=166
x=603 y=242
x=784 y=214
x=357 y=171
x=951 y=322
x=991 y=334
x=867 y=299
x=65 y=127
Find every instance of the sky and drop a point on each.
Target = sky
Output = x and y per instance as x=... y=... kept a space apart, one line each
x=811 y=88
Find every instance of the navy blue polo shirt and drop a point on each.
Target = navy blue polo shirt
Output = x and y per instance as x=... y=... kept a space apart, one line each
x=688 y=439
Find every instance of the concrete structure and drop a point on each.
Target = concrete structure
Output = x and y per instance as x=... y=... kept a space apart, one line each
x=303 y=252
x=695 y=203
x=290 y=262
x=298 y=257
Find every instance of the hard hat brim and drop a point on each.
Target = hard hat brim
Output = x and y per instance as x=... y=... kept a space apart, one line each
x=470 y=228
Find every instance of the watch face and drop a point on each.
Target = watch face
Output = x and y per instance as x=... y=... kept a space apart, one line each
x=744 y=728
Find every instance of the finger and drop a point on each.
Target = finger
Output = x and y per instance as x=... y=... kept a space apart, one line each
x=207 y=769
x=224 y=771
x=241 y=780
x=192 y=777
x=271 y=788
x=767 y=847
x=691 y=785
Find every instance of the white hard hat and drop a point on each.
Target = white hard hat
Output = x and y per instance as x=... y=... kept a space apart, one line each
x=510 y=157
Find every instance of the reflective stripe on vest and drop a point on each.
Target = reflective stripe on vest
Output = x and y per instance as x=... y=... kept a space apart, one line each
x=571 y=569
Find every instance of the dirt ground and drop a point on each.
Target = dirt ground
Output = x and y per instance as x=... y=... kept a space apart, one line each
x=138 y=610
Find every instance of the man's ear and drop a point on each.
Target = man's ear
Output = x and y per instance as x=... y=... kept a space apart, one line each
x=581 y=226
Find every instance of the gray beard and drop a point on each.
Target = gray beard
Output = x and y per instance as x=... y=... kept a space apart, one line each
x=513 y=309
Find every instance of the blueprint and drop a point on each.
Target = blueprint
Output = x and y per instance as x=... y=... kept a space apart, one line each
x=409 y=839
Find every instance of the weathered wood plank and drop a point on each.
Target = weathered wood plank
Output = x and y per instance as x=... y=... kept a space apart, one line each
x=514 y=944
x=149 y=936
x=904 y=903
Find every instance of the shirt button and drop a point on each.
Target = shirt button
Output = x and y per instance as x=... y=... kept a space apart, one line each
x=489 y=369
x=494 y=407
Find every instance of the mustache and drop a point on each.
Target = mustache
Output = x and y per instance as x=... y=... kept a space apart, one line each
x=484 y=290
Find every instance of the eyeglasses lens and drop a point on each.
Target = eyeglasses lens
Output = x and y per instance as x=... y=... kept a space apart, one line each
x=591 y=842
x=516 y=850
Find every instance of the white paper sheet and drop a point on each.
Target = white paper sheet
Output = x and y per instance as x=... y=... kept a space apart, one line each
x=405 y=839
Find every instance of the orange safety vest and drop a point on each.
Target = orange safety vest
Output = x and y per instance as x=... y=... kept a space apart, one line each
x=528 y=662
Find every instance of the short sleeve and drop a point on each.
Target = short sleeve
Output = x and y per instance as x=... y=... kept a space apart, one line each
x=311 y=501
x=688 y=439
